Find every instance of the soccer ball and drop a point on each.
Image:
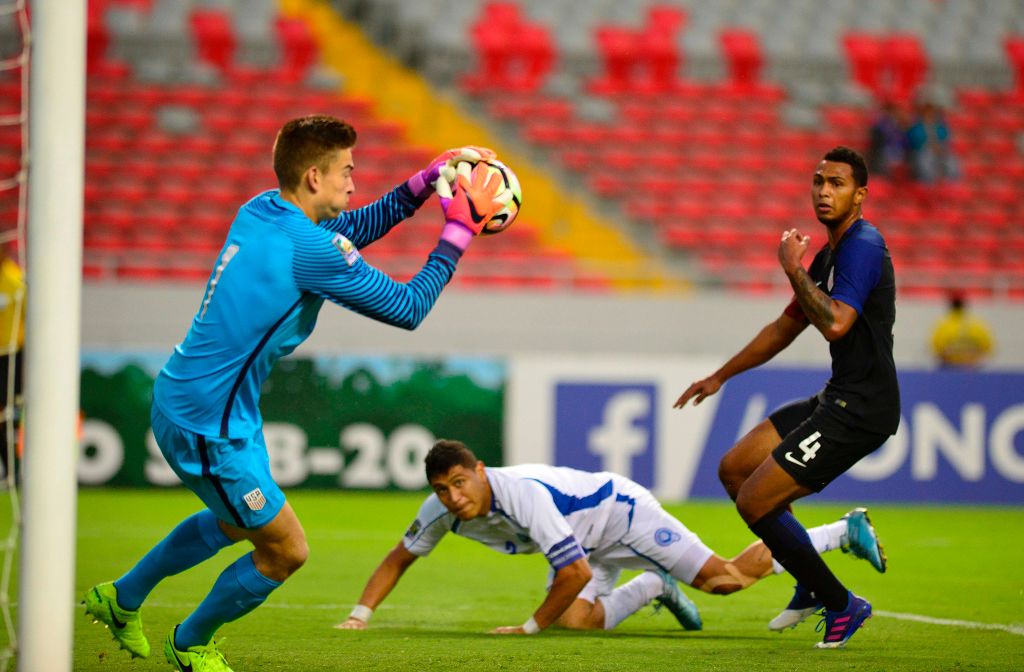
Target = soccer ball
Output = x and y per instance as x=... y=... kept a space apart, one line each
x=510 y=194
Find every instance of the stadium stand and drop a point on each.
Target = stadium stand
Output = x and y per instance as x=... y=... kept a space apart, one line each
x=691 y=123
x=183 y=102
x=699 y=121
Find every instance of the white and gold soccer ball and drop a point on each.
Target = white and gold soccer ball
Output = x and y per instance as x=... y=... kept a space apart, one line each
x=510 y=196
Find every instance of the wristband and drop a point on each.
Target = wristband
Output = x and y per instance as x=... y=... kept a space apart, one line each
x=361 y=612
x=531 y=627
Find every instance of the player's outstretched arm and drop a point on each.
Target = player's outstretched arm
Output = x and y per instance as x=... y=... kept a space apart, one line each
x=383 y=580
x=770 y=341
x=568 y=583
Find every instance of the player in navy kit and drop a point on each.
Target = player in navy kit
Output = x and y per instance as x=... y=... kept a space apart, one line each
x=287 y=251
x=849 y=296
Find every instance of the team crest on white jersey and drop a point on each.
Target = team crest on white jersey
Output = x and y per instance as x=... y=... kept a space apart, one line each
x=666 y=537
x=347 y=249
x=255 y=500
x=413 y=529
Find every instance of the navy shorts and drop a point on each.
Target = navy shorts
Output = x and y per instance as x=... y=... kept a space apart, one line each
x=816 y=447
x=231 y=476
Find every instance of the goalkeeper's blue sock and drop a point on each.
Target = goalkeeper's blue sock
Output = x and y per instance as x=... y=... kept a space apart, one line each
x=239 y=589
x=195 y=539
x=791 y=547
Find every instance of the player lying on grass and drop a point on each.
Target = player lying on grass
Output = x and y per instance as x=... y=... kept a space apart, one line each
x=590 y=526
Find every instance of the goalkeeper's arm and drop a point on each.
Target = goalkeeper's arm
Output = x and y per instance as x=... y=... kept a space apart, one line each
x=383 y=580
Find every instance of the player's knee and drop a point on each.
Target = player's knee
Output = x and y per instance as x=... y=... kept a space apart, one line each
x=730 y=475
x=748 y=506
x=285 y=558
x=579 y=619
x=296 y=555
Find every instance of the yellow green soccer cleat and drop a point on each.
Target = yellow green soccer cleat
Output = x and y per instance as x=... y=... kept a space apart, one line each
x=195 y=658
x=126 y=626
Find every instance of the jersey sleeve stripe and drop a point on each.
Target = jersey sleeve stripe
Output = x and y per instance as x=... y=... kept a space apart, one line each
x=564 y=553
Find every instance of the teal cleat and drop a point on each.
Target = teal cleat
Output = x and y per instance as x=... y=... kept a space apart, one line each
x=676 y=601
x=195 y=658
x=126 y=626
x=862 y=540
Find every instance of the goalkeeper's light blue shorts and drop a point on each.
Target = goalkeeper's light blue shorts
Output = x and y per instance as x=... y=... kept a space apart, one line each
x=231 y=476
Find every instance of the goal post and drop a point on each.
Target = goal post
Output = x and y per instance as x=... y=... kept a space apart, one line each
x=53 y=305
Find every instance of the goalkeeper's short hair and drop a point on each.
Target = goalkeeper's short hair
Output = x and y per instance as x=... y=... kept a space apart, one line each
x=445 y=455
x=308 y=141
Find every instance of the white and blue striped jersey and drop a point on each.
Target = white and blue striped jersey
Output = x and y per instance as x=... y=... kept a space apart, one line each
x=563 y=513
x=272 y=275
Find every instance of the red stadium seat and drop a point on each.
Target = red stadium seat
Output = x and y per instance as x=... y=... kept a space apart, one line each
x=742 y=55
x=214 y=37
x=298 y=49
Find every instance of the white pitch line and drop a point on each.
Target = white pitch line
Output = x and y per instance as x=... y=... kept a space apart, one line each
x=952 y=622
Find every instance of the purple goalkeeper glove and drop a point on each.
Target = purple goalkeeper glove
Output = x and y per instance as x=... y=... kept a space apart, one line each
x=471 y=205
x=424 y=182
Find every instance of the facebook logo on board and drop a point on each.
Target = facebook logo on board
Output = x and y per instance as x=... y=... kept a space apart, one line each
x=607 y=427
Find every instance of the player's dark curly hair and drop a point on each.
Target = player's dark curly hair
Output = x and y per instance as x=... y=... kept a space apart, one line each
x=446 y=454
x=852 y=158
x=308 y=141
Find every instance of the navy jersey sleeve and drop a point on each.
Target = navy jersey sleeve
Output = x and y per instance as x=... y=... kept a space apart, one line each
x=857 y=271
x=371 y=222
x=330 y=266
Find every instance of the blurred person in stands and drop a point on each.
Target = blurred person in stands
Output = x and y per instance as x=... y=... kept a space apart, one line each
x=888 y=142
x=590 y=526
x=849 y=296
x=12 y=339
x=928 y=140
x=288 y=250
x=961 y=339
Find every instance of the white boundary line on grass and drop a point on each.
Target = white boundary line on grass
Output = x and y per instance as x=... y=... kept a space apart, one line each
x=955 y=623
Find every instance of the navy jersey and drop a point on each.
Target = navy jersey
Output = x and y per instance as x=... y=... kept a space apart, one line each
x=263 y=297
x=863 y=389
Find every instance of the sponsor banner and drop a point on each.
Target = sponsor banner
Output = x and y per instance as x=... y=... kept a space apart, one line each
x=961 y=437
x=330 y=422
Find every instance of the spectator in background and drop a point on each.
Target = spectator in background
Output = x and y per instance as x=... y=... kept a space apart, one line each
x=888 y=141
x=931 y=154
x=12 y=338
x=960 y=339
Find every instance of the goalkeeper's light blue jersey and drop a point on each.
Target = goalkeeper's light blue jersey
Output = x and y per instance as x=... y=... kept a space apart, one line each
x=264 y=294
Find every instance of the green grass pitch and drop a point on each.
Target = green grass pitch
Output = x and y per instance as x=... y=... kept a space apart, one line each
x=948 y=563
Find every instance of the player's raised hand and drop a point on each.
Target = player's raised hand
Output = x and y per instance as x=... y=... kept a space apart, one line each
x=351 y=623
x=698 y=391
x=425 y=181
x=471 y=205
x=792 y=248
x=509 y=630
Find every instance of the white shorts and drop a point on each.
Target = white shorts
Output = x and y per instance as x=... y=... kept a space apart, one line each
x=654 y=541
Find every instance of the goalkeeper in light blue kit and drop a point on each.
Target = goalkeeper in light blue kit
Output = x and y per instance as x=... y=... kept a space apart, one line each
x=286 y=252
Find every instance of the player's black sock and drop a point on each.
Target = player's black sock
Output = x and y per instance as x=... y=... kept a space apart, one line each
x=790 y=545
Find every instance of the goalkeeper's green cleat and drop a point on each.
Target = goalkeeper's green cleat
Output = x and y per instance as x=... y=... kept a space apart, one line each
x=126 y=626
x=195 y=658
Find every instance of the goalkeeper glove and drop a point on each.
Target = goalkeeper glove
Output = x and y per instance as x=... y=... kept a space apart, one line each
x=472 y=204
x=423 y=182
